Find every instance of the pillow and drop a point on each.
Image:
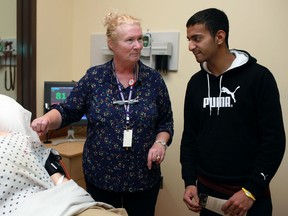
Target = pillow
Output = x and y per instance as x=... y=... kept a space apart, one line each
x=14 y=118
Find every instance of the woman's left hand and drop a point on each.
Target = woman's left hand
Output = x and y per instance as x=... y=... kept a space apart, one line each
x=156 y=154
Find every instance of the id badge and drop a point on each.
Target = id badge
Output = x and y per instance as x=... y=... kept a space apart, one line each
x=212 y=203
x=127 y=138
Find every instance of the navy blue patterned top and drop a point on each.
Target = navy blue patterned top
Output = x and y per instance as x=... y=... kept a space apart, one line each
x=106 y=163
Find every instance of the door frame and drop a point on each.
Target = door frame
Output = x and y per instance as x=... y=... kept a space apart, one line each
x=26 y=54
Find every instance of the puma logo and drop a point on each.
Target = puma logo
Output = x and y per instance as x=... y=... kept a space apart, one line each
x=232 y=94
x=264 y=176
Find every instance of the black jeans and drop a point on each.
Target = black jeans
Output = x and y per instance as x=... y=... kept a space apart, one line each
x=261 y=207
x=140 y=203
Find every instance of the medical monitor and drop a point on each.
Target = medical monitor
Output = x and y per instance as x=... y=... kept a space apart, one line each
x=56 y=92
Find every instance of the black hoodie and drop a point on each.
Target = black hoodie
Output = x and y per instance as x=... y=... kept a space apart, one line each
x=233 y=126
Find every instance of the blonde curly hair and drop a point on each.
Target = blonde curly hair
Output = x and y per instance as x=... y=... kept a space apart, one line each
x=113 y=20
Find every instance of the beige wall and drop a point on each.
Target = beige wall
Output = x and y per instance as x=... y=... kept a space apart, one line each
x=7 y=31
x=259 y=26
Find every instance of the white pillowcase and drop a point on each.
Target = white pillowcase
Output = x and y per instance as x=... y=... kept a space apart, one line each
x=14 y=118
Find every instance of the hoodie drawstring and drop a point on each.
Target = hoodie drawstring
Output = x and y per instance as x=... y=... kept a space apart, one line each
x=209 y=94
x=220 y=92
x=208 y=83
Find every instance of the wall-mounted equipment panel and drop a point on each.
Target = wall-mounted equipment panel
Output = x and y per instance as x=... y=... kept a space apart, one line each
x=8 y=51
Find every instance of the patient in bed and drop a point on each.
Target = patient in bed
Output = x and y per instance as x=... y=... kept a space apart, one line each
x=26 y=188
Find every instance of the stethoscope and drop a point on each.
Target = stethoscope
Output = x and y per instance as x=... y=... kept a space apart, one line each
x=12 y=68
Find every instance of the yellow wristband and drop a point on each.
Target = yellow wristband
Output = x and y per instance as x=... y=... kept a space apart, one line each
x=248 y=194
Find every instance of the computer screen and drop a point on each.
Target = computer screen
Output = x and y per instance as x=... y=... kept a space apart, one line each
x=56 y=92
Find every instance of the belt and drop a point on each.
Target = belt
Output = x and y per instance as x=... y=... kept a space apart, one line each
x=224 y=188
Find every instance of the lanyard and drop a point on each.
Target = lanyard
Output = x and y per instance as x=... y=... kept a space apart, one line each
x=126 y=106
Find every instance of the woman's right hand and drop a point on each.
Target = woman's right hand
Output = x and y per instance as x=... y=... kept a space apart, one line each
x=50 y=121
x=40 y=125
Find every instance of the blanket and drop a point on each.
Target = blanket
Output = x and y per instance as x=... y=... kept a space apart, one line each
x=62 y=200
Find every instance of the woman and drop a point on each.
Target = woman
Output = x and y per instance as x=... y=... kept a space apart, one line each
x=130 y=122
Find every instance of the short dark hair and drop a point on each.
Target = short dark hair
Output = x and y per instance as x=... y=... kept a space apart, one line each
x=213 y=19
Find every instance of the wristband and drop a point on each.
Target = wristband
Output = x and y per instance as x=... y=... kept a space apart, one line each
x=248 y=194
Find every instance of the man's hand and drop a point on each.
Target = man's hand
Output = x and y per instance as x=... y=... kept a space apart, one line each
x=238 y=204
x=191 y=198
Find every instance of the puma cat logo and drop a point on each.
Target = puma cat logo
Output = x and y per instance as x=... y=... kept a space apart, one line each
x=264 y=176
x=232 y=94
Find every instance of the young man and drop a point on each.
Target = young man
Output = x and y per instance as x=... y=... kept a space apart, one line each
x=233 y=139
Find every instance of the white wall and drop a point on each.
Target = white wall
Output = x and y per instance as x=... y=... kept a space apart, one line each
x=259 y=26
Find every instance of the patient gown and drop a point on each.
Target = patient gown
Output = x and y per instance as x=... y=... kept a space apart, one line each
x=26 y=188
x=22 y=171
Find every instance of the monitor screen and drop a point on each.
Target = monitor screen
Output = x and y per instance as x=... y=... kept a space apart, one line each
x=59 y=93
x=56 y=92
